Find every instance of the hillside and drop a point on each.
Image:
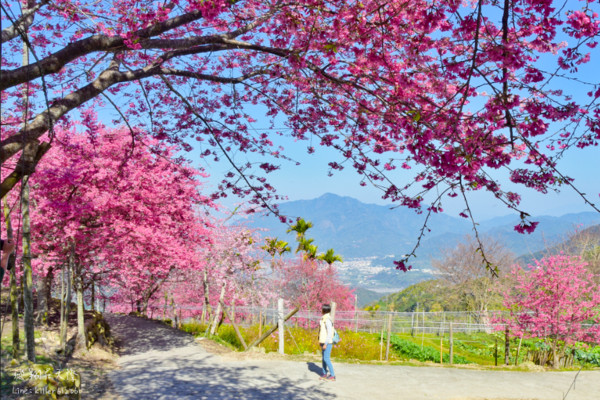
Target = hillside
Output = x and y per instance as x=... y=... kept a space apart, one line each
x=439 y=295
x=582 y=242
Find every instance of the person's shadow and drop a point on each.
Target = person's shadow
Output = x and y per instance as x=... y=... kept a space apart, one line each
x=312 y=367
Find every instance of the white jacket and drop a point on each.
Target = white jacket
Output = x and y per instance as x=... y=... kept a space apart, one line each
x=326 y=329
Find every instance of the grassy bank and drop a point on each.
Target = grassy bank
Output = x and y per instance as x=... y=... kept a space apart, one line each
x=478 y=349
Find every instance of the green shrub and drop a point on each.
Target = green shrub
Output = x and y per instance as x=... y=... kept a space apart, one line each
x=413 y=351
x=227 y=334
x=354 y=346
x=360 y=346
x=589 y=356
x=194 y=327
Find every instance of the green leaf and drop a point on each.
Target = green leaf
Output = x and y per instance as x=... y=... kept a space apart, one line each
x=331 y=47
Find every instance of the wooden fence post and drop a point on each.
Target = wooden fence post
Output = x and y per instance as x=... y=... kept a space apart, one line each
x=506 y=347
x=381 y=342
x=260 y=323
x=518 y=350
x=333 y=307
x=280 y=325
x=389 y=330
x=273 y=329
x=451 y=345
x=423 y=328
x=442 y=324
x=355 y=313
x=496 y=353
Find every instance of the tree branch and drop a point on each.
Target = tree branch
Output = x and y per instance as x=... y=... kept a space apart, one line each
x=54 y=62
x=22 y=23
x=33 y=153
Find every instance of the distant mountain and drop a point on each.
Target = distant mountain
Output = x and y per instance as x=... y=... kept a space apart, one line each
x=369 y=237
x=357 y=230
x=550 y=231
x=581 y=242
x=366 y=296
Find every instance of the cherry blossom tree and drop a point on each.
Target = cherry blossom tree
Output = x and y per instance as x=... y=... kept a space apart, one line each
x=452 y=90
x=103 y=208
x=556 y=300
x=308 y=283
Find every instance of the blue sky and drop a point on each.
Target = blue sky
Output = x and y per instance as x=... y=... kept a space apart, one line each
x=309 y=180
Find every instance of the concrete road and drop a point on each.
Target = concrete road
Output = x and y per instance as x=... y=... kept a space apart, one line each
x=159 y=362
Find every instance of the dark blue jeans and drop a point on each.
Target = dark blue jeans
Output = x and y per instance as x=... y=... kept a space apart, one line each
x=327 y=367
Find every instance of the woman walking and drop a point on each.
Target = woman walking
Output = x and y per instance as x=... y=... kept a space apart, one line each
x=326 y=343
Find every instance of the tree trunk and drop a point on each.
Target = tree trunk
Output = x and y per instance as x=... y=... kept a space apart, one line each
x=165 y=307
x=41 y=301
x=217 y=315
x=27 y=271
x=27 y=274
x=93 y=289
x=49 y=280
x=206 y=307
x=173 y=313
x=14 y=305
x=14 y=291
x=506 y=346
x=67 y=304
x=44 y=296
x=81 y=337
x=555 y=360
x=145 y=303
x=62 y=305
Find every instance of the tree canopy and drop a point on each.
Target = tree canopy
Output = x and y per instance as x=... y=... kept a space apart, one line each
x=450 y=90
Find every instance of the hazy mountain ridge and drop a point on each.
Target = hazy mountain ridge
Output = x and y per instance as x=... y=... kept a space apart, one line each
x=573 y=244
x=357 y=230
x=369 y=236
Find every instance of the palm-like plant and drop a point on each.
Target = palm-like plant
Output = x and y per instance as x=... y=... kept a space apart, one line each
x=300 y=227
x=330 y=257
x=309 y=249
x=275 y=246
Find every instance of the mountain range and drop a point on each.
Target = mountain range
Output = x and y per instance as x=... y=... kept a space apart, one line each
x=368 y=233
x=358 y=230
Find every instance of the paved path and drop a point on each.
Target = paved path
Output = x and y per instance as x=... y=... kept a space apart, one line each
x=159 y=362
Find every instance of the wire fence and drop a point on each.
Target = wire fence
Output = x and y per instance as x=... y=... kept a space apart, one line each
x=502 y=348
x=440 y=323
